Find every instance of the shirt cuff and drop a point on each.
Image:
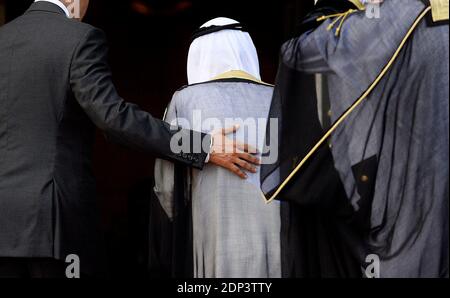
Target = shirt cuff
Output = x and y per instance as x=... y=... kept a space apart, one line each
x=210 y=151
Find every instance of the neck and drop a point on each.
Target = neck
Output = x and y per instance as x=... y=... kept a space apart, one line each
x=73 y=7
x=66 y=3
x=62 y=5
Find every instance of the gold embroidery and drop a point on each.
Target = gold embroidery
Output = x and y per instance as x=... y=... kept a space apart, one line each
x=439 y=10
x=364 y=178
x=239 y=74
x=358 y=4
x=339 y=17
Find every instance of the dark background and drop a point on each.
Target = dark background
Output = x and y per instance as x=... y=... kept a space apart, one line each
x=149 y=42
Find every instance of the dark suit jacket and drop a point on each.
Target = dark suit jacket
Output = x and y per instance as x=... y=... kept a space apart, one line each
x=55 y=88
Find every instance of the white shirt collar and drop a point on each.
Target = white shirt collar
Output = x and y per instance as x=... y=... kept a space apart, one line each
x=57 y=2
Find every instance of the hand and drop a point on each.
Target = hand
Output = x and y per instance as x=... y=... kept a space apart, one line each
x=232 y=155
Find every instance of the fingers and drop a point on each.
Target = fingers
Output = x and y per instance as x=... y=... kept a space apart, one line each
x=236 y=170
x=237 y=163
x=230 y=130
x=249 y=158
x=227 y=143
x=246 y=147
x=245 y=165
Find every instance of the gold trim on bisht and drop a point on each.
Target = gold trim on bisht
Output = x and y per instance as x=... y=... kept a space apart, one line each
x=440 y=10
x=341 y=17
x=358 y=4
x=356 y=104
x=239 y=74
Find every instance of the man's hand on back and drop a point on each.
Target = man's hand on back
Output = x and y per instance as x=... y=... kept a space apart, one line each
x=234 y=156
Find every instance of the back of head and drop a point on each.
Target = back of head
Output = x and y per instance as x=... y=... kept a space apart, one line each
x=219 y=52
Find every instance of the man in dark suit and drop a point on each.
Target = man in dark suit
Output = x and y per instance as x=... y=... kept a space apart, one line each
x=55 y=87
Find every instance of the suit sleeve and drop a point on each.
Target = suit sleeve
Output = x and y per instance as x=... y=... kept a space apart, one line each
x=91 y=83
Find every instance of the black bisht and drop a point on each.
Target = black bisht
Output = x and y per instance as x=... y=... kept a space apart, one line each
x=170 y=241
x=317 y=238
